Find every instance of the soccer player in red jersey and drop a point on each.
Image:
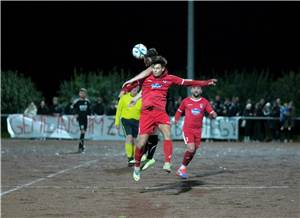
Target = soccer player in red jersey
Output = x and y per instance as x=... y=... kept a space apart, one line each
x=194 y=108
x=155 y=84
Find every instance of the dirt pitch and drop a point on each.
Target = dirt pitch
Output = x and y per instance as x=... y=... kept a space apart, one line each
x=227 y=179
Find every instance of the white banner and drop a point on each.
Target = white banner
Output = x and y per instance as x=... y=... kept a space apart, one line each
x=102 y=127
x=219 y=128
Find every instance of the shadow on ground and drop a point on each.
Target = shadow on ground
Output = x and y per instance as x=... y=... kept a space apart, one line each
x=183 y=186
x=179 y=187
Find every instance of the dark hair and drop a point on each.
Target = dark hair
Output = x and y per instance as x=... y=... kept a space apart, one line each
x=159 y=60
x=151 y=53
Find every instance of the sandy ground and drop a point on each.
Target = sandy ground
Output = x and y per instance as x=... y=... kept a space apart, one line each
x=227 y=179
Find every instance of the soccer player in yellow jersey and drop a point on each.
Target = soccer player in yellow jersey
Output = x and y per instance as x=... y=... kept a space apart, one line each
x=129 y=119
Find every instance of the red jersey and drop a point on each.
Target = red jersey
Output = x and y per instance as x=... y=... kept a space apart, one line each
x=154 y=89
x=194 y=110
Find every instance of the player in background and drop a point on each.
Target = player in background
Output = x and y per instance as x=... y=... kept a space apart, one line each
x=129 y=117
x=82 y=108
x=194 y=108
x=154 y=91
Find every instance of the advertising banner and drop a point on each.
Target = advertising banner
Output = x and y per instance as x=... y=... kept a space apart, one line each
x=102 y=127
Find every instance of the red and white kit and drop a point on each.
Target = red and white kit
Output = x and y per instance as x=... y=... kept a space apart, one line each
x=194 y=110
x=154 y=93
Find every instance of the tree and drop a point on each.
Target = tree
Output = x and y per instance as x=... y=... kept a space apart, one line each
x=17 y=92
x=287 y=88
x=106 y=85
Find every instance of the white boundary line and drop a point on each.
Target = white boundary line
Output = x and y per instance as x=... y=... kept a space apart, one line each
x=44 y=178
x=147 y=188
x=225 y=187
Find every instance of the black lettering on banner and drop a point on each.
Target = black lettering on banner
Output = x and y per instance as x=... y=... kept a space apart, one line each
x=233 y=123
x=214 y=126
x=111 y=129
x=225 y=127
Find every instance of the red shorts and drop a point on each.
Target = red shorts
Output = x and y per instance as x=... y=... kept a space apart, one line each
x=192 y=136
x=150 y=119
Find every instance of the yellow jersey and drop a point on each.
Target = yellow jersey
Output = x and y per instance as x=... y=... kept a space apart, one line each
x=123 y=111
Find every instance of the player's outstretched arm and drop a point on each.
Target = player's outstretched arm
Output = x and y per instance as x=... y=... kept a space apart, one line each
x=135 y=99
x=189 y=82
x=202 y=83
x=140 y=76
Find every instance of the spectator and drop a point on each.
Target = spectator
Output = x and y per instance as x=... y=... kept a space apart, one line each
x=31 y=110
x=234 y=108
x=248 y=123
x=69 y=109
x=238 y=105
x=99 y=107
x=249 y=101
x=55 y=109
x=291 y=125
x=42 y=109
x=258 y=125
x=112 y=109
x=267 y=112
x=286 y=121
x=226 y=107
x=276 y=122
x=218 y=106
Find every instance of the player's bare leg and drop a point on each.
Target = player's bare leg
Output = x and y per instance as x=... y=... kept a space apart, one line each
x=167 y=145
x=187 y=158
x=142 y=140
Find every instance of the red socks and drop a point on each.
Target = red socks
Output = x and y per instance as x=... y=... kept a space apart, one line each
x=168 y=149
x=187 y=157
x=138 y=156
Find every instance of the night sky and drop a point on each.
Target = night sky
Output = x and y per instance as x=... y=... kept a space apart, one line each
x=47 y=40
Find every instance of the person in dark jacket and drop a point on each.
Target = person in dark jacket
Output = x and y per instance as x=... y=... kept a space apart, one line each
x=43 y=109
x=82 y=108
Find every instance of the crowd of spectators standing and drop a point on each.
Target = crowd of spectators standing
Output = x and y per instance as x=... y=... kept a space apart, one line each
x=55 y=108
x=262 y=120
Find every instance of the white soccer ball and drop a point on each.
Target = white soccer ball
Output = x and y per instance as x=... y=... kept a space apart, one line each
x=139 y=51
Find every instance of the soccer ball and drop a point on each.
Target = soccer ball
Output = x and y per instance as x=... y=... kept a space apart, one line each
x=139 y=51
